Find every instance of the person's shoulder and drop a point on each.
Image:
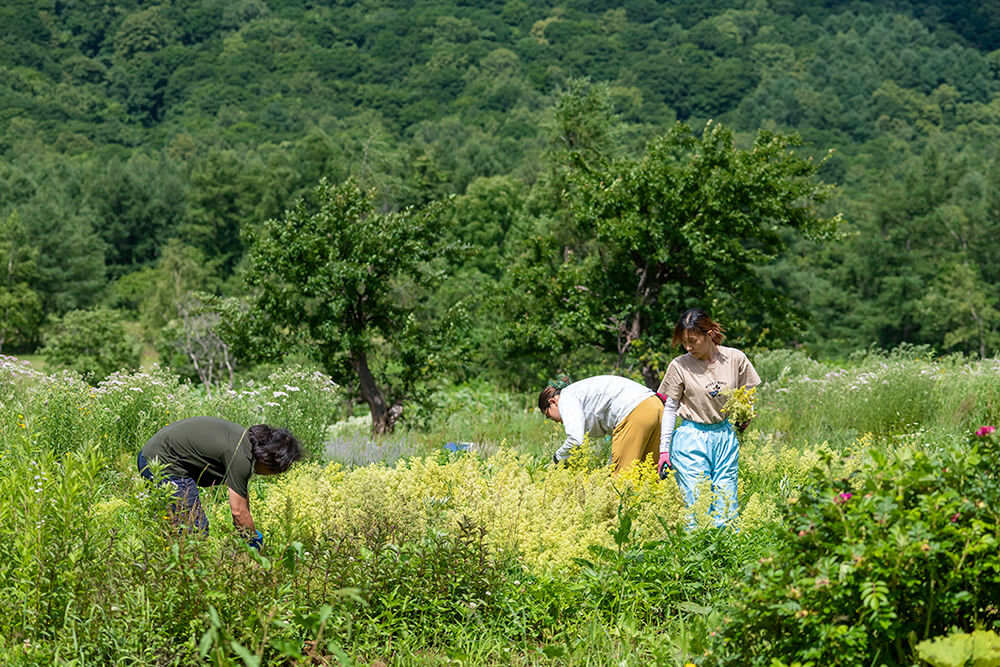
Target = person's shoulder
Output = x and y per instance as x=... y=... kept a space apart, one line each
x=685 y=360
x=207 y=419
x=733 y=353
x=616 y=382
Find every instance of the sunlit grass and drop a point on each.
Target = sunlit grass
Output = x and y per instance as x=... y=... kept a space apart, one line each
x=365 y=510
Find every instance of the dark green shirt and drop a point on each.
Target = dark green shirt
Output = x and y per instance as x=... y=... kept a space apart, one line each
x=209 y=450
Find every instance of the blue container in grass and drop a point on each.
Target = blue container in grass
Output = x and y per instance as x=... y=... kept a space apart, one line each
x=457 y=446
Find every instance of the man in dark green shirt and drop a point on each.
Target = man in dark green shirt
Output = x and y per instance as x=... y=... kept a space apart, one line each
x=205 y=451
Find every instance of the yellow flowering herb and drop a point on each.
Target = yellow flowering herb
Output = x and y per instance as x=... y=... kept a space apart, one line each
x=740 y=404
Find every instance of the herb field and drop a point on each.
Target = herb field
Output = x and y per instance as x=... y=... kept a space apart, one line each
x=869 y=494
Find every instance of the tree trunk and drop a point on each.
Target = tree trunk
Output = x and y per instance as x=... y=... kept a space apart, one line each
x=383 y=417
x=982 y=334
x=647 y=291
x=650 y=376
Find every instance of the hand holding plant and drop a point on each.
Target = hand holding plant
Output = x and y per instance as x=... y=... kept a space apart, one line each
x=740 y=406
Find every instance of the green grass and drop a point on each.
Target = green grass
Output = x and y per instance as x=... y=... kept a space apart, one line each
x=36 y=360
x=83 y=575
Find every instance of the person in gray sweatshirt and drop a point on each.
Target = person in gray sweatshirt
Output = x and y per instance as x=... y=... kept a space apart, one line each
x=602 y=405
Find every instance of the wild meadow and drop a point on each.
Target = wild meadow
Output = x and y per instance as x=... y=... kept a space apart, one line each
x=868 y=532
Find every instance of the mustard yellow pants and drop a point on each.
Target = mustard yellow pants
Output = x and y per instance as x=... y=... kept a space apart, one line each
x=638 y=435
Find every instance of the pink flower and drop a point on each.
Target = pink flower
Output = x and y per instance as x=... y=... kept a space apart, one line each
x=985 y=430
x=954 y=517
x=843 y=497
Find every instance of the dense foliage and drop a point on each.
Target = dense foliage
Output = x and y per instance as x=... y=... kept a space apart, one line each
x=342 y=282
x=128 y=127
x=687 y=223
x=94 y=343
x=851 y=550
x=872 y=564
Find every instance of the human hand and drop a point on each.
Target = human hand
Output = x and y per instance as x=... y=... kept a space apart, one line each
x=663 y=467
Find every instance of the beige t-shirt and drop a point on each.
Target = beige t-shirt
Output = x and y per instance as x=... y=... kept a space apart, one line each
x=696 y=385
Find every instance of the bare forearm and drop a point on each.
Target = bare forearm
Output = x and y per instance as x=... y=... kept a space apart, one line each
x=240 y=508
x=243 y=520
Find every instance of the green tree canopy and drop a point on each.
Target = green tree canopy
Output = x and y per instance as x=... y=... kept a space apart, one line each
x=343 y=283
x=20 y=305
x=688 y=223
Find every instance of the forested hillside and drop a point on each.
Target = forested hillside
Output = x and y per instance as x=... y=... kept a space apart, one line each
x=142 y=143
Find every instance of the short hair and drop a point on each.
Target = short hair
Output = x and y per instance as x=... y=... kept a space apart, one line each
x=696 y=319
x=275 y=448
x=546 y=397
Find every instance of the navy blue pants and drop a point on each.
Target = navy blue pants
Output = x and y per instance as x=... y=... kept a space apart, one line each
x=186 y=505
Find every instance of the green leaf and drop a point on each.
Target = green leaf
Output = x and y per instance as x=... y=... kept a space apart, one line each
x=249 y=659
x=694 y=608
x=555 y=652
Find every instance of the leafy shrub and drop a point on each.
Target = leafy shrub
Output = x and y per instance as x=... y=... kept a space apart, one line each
x=876 y=561
x=546 y=515
x=981 y=647
x=60 y=412
x=771 y=471
x=93 y=343
x=649 y=579
x=131 y=407
x=293 y=397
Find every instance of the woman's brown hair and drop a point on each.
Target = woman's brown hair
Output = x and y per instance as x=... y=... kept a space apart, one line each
x=696 y=319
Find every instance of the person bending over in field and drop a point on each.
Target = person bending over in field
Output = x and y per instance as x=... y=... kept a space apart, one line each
x=704 y=446
x=205 y=451
x=601 y=405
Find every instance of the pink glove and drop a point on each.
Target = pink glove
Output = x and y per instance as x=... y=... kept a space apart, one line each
x=664 y=465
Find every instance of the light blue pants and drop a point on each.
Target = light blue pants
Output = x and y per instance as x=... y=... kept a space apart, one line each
x=708 y=451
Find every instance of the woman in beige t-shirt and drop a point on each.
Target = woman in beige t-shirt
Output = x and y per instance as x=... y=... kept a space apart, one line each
x=704 y=446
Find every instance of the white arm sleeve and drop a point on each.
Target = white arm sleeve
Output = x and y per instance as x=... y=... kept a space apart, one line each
x=572 y=416
x=667 y=424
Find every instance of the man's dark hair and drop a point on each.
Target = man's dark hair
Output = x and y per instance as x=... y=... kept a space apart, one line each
x=275 y=448
x=546 y=396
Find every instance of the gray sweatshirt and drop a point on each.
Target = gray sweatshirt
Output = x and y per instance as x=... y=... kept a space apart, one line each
x=595 y=406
